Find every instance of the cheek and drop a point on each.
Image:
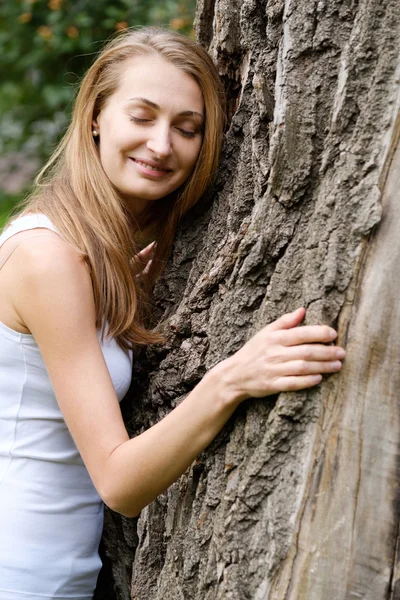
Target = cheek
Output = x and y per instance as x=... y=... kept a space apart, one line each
x=191 y=157
x=112 y=147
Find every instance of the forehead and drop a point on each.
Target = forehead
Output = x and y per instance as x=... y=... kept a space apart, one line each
x=158 y=80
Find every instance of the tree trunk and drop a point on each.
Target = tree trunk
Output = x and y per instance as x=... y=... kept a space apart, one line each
x=298 y=497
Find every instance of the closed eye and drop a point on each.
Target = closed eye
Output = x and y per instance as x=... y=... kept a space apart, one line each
x=186 y=133
x=137 y=120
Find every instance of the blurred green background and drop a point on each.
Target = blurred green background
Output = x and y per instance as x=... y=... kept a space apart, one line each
x=45 y=48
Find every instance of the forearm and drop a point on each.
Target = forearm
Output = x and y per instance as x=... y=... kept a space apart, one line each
x=280 y=357
x=143 y=467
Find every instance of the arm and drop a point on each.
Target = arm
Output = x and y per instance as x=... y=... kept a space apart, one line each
x=54 y=299
x=150 y=462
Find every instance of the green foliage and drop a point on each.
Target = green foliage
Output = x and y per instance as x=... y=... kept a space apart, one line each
x=7 y=204
x=46 y=46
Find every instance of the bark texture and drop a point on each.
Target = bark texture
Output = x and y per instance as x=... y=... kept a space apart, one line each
x=298 y=497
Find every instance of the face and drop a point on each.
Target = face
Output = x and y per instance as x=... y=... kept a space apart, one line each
x=150 y=130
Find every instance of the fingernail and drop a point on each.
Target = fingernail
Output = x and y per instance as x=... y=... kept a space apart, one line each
x=336 y=365
x=340 y=353
x=333 y=334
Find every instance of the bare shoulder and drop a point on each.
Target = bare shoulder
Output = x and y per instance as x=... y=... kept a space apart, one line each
x=52 y=282
x=45 y=259
x=38 y=249
x=43 y=252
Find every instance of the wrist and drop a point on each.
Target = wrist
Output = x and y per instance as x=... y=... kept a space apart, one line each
x=224 y=378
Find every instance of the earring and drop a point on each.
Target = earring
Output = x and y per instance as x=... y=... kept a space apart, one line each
x=95 y=133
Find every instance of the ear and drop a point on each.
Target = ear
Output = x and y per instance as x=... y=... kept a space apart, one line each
x=95 y=124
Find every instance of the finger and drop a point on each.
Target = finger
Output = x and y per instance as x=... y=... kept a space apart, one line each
x=147 y=267
x=146 y=254
x=306 y=335
x=288 y=321
x=309 y=352
x=142 y=258
x=305 y=367
x=292 y=384
x=148 y=250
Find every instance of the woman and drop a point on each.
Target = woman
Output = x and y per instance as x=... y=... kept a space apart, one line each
x=141 y=149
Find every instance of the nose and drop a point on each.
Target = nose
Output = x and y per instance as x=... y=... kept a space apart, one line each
x=159 y=142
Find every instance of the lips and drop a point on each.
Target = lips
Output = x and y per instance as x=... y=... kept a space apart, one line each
x=151 y=165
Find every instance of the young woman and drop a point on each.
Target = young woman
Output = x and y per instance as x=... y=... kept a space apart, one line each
x=141 y=149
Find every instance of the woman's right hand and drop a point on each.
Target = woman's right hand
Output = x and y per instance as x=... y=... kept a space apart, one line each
x=141 y=263
x=282 y=357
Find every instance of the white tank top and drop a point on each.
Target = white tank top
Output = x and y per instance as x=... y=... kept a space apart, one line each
x=51 y=516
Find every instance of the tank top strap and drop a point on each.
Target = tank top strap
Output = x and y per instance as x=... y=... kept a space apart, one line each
x=33 y=221
x=24 y=223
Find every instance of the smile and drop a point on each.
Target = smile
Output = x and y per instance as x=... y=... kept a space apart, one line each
x=151 y=167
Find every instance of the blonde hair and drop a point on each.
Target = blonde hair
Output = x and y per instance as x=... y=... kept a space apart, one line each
x=74 y=192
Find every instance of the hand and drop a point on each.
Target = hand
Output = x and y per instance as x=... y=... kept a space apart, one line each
x=283 y=357
x=143 y=259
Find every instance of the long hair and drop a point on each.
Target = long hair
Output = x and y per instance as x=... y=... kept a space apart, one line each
x=73 y=190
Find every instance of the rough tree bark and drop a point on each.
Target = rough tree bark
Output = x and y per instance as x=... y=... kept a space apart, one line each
x=298 y=497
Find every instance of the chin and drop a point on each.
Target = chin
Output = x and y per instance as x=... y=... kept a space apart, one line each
x=148 y=195
x=142 y=197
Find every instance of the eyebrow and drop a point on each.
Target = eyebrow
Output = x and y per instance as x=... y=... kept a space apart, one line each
x=184 y=113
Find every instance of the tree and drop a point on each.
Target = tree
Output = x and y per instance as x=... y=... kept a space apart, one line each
x=298 y=497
